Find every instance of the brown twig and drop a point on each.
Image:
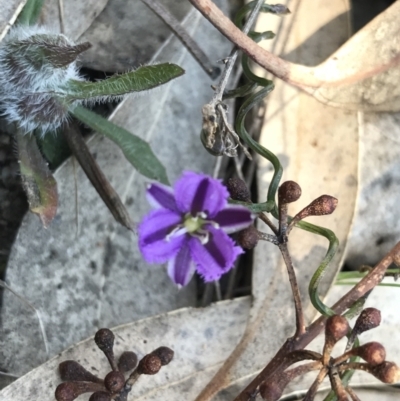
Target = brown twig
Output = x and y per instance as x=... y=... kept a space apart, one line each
x=366 y=284
x=300 y=325
x=107 y=193
x=268 y=222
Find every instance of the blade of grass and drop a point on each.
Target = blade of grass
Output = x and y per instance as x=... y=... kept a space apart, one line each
x=30 y=13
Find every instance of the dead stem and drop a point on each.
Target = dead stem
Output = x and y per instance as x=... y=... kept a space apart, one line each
x=300 y=325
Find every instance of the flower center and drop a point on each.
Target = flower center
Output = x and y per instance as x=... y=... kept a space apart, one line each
x=193 y=224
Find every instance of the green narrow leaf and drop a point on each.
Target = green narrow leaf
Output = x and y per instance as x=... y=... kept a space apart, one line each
x=30 y=13
x=37 y=180
x=143 y=78
x=136 y=150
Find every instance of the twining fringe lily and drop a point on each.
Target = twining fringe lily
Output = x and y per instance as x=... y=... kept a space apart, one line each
x=189 y=228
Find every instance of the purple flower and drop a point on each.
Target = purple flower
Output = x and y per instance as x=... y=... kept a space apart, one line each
x=189 y=228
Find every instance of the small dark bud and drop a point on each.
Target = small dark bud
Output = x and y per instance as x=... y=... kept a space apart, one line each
x=114 y=381
x=387 y=372
x=149 y=365
x=104 y=338
x=369 y=319
x=127 y=361
x=374 y=353
x=248 y=238
x=74 y=371
x=238 y=190
x=289 y=192
x=336 y=328
x=70 y=390
x=100 y=396
x=165 y=354
x=321 y=206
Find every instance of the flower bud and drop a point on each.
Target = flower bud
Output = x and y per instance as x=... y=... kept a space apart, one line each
x=248 y=238
x=127 y=361
x=100 y=396
x=387 y=372
x=289 y=192
x=238 y=190
x=73 y=371
x=70 y=390
x=374 y=353
x=114 y=381
x=36 y=67
x=165 y=354
x=150 y=364
x=325 y=204
x=369 y=319
x=104 y=338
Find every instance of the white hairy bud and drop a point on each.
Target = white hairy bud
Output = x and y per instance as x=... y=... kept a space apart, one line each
x=35 y=69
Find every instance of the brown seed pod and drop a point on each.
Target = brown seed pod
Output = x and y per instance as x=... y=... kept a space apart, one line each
x=70 y=390
x=150 y=364
x=289 y=192
x=104 y=338
x=369 y=319
x=127 y=361
x=165 y=354
x=74 y=371
x=100 y=396
x=323 y=205
x=374 y=353
x=114 y=381
x=248 y=238
x=238 y=190
x=387 y=372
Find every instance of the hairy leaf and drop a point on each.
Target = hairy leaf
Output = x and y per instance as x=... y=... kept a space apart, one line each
x=136 y=150
x=144 y=78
